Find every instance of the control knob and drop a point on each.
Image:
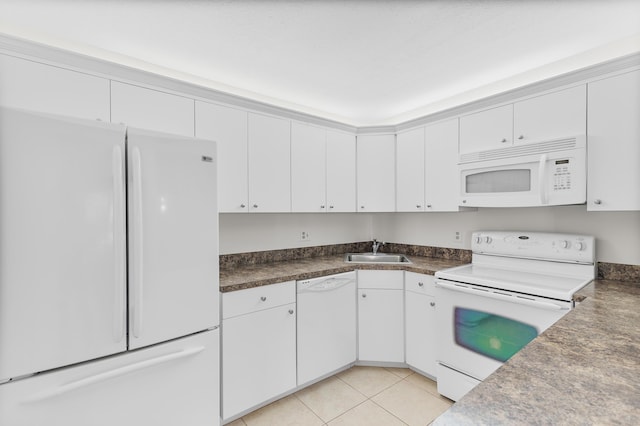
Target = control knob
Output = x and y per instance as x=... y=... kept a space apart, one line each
x=487 y=239
x=478 y=239
x=564 y=244
x=578 y=246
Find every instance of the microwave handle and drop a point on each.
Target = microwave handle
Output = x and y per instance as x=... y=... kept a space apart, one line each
x=542 y=179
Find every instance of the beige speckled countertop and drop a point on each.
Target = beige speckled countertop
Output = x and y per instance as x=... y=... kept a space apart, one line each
x=583 y=370
x=232 y=279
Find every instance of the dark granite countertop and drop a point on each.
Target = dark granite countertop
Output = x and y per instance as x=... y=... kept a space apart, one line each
x=583 y=370
x=248 y=276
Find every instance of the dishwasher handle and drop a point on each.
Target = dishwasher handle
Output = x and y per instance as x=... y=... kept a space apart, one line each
x=319 y=286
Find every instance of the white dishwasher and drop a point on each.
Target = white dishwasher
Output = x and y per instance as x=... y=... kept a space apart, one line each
x=326 y=325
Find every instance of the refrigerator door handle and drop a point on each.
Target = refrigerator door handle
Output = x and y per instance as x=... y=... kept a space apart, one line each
x=100 y=377
x=119 y=233
x=138 y=247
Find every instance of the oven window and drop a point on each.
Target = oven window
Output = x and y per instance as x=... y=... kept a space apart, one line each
x=512 y=180
x=491 y=335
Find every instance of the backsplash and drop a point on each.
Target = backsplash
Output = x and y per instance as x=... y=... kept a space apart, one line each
x=618 y=272
x=606 y=271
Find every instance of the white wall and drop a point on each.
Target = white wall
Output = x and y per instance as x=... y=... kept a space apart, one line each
x=241 y=233
x=617 y=233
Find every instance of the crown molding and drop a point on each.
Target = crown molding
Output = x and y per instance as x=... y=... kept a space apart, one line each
x=580 y=76
x=51 y=55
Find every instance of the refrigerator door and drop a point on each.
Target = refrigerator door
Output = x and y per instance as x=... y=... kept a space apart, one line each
x=175 y=383
x=173 y=237
x=62 y=242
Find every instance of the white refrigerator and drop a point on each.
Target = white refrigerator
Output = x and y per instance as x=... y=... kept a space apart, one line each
x=109 y=294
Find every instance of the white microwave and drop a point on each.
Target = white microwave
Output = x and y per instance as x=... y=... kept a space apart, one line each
x=547 y=173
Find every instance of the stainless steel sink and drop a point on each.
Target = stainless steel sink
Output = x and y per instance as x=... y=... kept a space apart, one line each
x=375 y=258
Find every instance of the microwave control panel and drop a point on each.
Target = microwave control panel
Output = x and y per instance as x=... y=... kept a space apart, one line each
x=561 y=175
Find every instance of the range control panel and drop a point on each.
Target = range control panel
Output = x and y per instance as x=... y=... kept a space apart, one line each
x=535 y=245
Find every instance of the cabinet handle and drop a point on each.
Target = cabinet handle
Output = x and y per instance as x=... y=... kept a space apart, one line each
x=255 y=206
x=521 y=137
x=243 y=205
x=428 y=206
x=418 y=206
x=503 y=140
x=322 y=207
x=432 y=303
x=290 y=311
x=362 y=207
x=597 y=201
x=420 y=284
x=263 y=298
x=364 y=295
x=330 y=207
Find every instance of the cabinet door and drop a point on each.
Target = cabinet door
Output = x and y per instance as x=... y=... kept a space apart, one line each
x=420 y=333
x=376 y=173
x=269 y=164
x=151 y=109
x=258 y=358
x=308 y=165
x=228 y=127
x=380 y=325
x=410 y=167
x=341 y=171
x=442 y=178
x=42 y=88
x=484 y=130
x=613 y=176
x=553 y=116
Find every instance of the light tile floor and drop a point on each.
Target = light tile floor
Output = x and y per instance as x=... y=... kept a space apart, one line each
x=360 y=396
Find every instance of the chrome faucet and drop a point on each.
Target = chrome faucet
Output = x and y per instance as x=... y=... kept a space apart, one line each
x=376 y=246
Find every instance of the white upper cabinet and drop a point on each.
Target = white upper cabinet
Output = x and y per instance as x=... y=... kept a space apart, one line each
x=151 y=109
x=442 y=178
x=376 y=173
x=308 y=168
x=613 y=178
x=228 y=127
x=269 y=164
x=43 y=88
x=341 y=171
x=489 y=129
x=546 y=117
x=410 y=167
x=552 y=116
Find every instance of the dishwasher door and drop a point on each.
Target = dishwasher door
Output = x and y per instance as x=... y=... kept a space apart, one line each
x=326 y=329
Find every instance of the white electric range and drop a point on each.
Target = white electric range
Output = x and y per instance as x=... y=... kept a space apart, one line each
x=518 y=284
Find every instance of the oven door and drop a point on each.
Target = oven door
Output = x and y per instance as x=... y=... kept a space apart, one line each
x=480 y=328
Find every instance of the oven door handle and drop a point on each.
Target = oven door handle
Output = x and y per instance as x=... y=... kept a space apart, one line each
x=502 y=297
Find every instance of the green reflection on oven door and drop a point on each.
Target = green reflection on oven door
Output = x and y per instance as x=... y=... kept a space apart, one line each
x=491 y=335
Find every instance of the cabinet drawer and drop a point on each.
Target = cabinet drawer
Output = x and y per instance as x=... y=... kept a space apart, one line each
x=420 y=283
x=390 y=280
x=257 y=299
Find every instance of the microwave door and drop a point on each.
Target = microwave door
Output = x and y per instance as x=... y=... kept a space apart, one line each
x=513 y=185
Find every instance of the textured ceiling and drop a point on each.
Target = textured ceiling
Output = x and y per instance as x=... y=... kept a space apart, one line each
x=359 y=62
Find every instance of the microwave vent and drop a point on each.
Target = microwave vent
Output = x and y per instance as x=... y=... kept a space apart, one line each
x=524 y=149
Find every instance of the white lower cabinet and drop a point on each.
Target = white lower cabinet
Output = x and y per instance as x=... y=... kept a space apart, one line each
x=420 y=306
x=380 y=316
x=258 y=346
